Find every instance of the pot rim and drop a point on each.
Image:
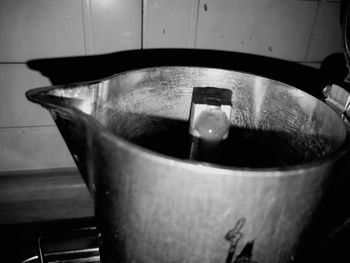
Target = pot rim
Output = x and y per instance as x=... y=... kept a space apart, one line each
x=37 y=95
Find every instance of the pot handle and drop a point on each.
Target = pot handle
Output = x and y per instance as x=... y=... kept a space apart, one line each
x=339 y=99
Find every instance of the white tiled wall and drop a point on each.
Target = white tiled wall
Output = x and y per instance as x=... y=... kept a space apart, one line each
x=45 y=29
x=170 y=23
x=304 y=31
x=258 y=27
x=33 y=148
x=324 y=39
x=16 y=110
x=39 y=28
x=112 y=25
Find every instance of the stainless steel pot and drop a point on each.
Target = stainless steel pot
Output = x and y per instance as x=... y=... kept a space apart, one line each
x=129 y=137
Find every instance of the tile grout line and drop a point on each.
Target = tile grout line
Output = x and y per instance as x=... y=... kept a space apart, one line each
x=14 y=63
x=26 y=127
x=194 y=24
x=87 y=30
x=308 y=46
x=84 y=33
x=142 y=23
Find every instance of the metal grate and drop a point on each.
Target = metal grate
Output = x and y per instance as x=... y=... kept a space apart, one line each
x=72 y=246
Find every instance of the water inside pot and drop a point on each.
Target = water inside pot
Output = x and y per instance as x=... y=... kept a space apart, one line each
x=272 y=124
x=243 y=148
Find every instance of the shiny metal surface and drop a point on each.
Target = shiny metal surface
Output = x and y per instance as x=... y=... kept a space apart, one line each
x=339 y=99
x=129 y=137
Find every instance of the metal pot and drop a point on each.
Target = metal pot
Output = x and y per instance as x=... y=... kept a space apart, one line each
x=129 y=137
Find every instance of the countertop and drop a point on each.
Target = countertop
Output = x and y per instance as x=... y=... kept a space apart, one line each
x=43 y=195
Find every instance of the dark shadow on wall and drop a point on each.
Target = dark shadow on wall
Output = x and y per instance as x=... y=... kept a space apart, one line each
x=334 y=70
x=85 y=68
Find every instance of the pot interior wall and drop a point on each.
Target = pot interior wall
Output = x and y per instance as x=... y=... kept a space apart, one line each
x=272 y=124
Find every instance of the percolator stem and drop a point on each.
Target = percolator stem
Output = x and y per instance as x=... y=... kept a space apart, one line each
x=209 y=122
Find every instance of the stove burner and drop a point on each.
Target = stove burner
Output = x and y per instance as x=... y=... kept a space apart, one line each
x=72 y=246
